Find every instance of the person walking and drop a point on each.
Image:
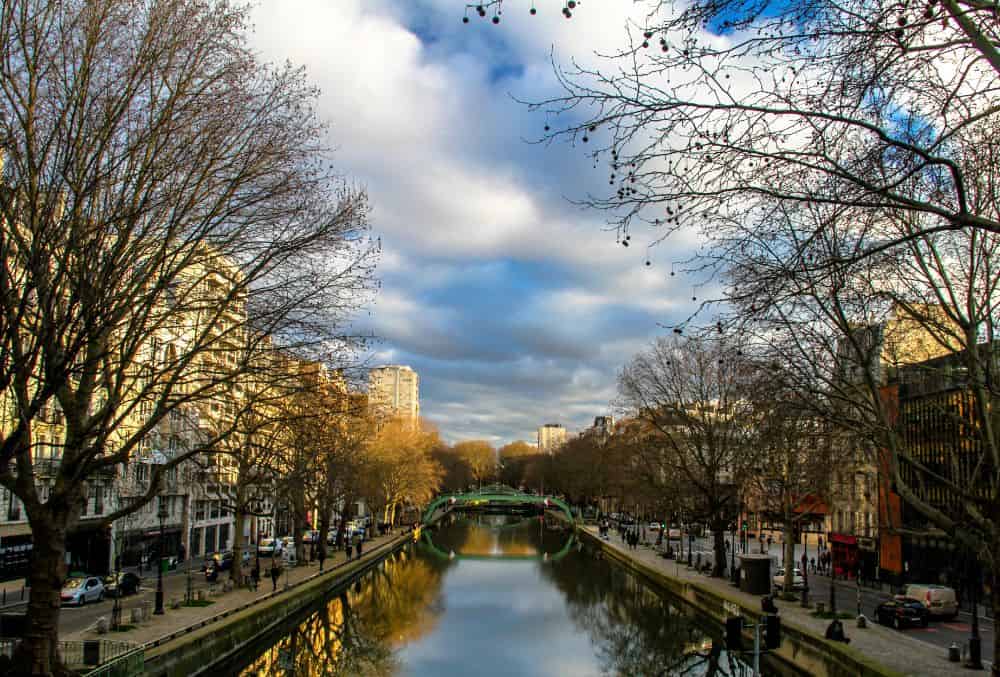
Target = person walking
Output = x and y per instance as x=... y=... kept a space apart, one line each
x=255 y=576
x=348 y=548
x=322 y=557
x=360 y=541
x=275 y=572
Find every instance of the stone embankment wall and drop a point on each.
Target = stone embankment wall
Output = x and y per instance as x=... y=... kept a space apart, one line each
x=197 y=652
x=801 y=651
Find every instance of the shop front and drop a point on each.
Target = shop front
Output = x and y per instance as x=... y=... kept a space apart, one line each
x=142 y=546
x=846 y=554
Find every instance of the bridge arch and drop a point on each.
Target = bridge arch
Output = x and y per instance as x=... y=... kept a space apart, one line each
x=496 y=495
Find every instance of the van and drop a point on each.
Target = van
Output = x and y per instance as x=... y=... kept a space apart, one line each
x=940 y=600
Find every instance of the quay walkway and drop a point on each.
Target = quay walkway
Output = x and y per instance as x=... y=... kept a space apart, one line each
x=177 y=621
x=886 y=651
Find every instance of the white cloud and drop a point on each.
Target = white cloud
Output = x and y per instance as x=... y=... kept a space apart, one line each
x=417 y=115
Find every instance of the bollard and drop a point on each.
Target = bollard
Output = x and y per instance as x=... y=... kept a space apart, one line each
x=954 y=653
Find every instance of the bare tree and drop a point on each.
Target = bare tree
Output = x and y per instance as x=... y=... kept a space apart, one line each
x=694 y=393
x=163 y=193
x=715 y=107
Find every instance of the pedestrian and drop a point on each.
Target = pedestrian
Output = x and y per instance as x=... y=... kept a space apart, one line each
x=348 y=548
x=255 y=576
x=769 y=544
x=360 y=541
x=275 y=572
x=812 y=565
x=322 y=557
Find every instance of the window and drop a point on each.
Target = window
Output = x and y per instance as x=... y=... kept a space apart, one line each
x=223 y=536
x=215 y=510
x=98 y=499
x=199 y=510
x=141 y=472
x=196 y=542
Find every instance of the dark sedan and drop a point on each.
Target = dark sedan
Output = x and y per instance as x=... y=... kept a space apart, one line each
x=127 y=583
x=901 y=612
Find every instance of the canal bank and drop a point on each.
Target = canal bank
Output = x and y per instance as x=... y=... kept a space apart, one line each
x=873 y=651
x=195 y=650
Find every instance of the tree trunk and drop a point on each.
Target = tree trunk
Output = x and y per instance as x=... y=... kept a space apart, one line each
x=995 y=601
x=719 y=546
x=324 y=529
x=298 y=524
x=38 y=653
x=239 y=515
x=789 y=554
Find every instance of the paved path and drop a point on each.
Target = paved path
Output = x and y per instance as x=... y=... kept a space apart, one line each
x=939 y=633
x=78 y=623
x=895 y=650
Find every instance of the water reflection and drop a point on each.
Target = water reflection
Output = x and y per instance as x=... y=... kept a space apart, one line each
x=498 y=606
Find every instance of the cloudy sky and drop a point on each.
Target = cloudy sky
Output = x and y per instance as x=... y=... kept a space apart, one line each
x=515 y=306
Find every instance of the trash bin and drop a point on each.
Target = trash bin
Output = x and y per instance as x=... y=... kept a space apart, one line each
x=755 y=574
x=91 y=652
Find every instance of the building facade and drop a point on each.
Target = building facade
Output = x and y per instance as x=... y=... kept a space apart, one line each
x=551 y=436
x=394 y=391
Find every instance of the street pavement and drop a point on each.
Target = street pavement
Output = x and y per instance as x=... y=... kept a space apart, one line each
x=904 y=652
x=939 y=633
x=75 y=622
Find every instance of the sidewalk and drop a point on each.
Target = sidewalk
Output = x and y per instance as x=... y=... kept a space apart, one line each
x=174 y=620
x=883 y=646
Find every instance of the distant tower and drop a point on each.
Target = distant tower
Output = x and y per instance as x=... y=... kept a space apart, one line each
x=551 y=436
x=393 y=390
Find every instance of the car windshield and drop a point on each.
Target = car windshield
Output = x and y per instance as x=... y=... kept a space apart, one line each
x=74 y=583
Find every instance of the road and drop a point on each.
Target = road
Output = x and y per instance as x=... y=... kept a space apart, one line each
x=939 y=633
x=76 y=619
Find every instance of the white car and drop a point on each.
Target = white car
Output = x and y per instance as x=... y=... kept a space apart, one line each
x=270 y=546
x=654 y=526
x=79 y=591
x=798 y=582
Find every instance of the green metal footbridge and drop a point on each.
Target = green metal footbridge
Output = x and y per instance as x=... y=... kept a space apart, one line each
x=495 y=496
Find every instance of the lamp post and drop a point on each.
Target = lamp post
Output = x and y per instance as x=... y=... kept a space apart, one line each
x=189 y=593
x=162 y=515
x=975 y=643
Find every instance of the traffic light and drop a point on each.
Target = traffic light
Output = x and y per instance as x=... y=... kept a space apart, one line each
x=734 y=633
x=772 y=631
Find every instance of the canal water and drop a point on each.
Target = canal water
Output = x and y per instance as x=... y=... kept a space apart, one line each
x=495 y=595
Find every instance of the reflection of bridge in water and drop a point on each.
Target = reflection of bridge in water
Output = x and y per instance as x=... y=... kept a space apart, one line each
x=498 y=554
x=496 y=498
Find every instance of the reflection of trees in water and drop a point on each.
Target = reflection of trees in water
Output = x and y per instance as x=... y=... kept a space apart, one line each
x=356 y=632
x=486 y=534
x=634 y=630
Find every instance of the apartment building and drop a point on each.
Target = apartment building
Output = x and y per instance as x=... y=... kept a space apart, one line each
x=551 y=436
x=394 y=391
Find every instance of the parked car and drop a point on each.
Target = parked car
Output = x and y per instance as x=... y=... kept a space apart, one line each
x=674 y=534
x=270 y=546
x=655 y=526
x=798 y=582
x=902 y=611
x=940 y=600
x=288 y=554
x=81 y=590
x=124 y=584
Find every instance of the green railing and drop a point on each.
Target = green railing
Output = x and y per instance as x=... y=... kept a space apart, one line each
x=495 y=495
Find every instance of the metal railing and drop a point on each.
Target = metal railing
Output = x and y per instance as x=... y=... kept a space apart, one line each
x=126 y=665
x=117 y=656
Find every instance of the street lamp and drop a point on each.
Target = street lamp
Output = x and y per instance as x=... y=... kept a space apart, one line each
x=162 y=515
x=975 y=643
